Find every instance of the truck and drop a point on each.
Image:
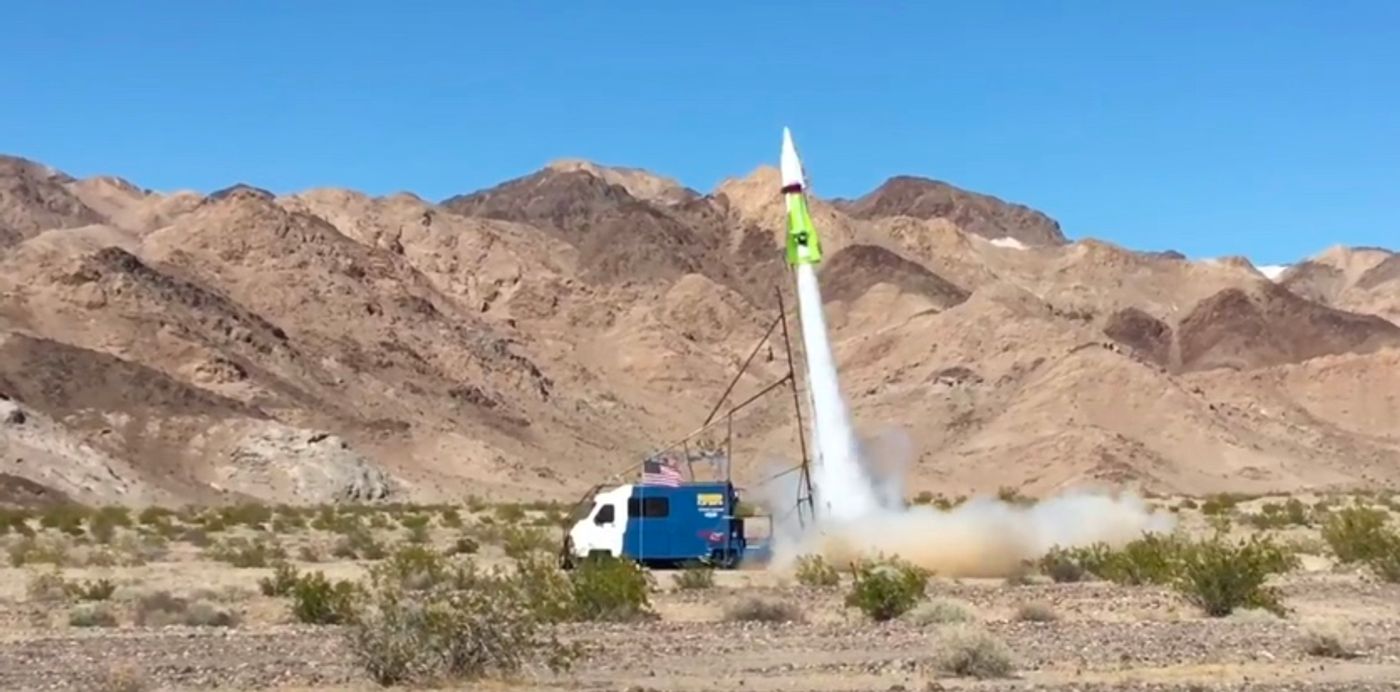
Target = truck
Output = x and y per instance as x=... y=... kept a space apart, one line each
x=665 y=526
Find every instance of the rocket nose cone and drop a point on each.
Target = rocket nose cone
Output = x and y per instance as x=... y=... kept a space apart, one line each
x=791 y=166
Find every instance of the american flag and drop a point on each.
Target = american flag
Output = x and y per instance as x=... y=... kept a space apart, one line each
x=660 y=472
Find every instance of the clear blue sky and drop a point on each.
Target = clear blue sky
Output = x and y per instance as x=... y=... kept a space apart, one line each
x=1267 y=129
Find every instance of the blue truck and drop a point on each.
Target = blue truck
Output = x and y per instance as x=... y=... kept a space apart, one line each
x=665 y=526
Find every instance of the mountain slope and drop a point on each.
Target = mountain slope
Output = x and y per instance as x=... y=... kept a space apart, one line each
x=537 y=337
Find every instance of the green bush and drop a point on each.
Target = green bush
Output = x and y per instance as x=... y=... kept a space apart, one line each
x=1355 y=534
x=100 y=590
x=1068 y=565
x=510 y=514
x=968 y=651
x=611 y=589
x=31 y=550
x=465 y=545
x=67 y=518
x=814 y=571
x=282 y=581
x=48 y=587
x=1012 y=496
x=754 y=609
x=886 y=588
x=245 y=554
x=16 y=520
x=695 y=578
x=1385 y=560
x=1274 y=515
x=91 y=615
x=318 y=601
x=518 y=541
x=250 y=514
x=1220 y=576
x=451 y=518
x=103 y=523
x=942 y=611
x=1036 y=611
x=1152 y=559
x=464 y=628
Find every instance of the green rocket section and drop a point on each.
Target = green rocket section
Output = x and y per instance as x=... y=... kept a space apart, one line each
x=803 y=245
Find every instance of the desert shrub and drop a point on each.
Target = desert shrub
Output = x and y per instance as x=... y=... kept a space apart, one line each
x=941 y=611
x=510 y=513
x=451 y=518
x=1355 y=534
x=33 y=550
x=103 y=523
x=1221 y=503
x=193 y=535
x=48 y=587
x=1152 y=559
x=360 y=544
x=133 y=550
x=245 y=554
x=414 y=568
x=1188 y=503
x=465 y=545
x=1220 y=576
x=923 y=498
x=1385 y=560
x=1012 y=496
x=1036 y=611
x=122 y=678
x=251 y=514
x=283 y=579
x=91 y=615
x=101 y=557
x=814 y=571
x=154 y=515
x=206 y=614
x=308 y=553
x=318 y=601
x=463 y=628
x=475 y=505
x=1067 y=565
x=546 y=588
x=283 y=524
x=968 y=651
x=695 y=578
x=517 y=541
x=159 y=609
x=611 y=589
x=99 y=590
x=67 y=518
x=16 y=520
x=754 y=609
x=1291 y=513
x=886 y=588
x=1328 y=641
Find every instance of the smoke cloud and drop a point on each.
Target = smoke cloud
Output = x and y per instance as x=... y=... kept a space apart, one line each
x=859 y=494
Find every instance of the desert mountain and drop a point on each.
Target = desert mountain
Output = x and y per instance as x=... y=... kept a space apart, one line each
x=535 y=338
x=1358 y=279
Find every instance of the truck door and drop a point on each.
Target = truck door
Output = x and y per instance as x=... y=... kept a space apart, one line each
x=648 y=525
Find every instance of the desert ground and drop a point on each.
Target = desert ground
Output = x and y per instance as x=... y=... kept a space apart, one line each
x=185 y=607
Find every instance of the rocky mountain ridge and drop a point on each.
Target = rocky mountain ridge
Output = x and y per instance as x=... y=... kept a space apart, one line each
x=535 y=338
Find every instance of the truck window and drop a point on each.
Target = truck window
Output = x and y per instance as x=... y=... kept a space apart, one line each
x=649 y=507
x=604 y=516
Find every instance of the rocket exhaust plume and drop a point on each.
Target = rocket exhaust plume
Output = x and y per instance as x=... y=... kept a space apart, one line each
x=857 y=484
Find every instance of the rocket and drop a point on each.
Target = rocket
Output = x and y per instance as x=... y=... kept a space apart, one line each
x=803 y=245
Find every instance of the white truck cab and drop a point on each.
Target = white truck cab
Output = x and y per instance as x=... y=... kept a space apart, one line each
x=601 y=529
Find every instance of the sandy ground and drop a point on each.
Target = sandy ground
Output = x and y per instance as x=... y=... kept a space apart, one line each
x=1102 y=636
